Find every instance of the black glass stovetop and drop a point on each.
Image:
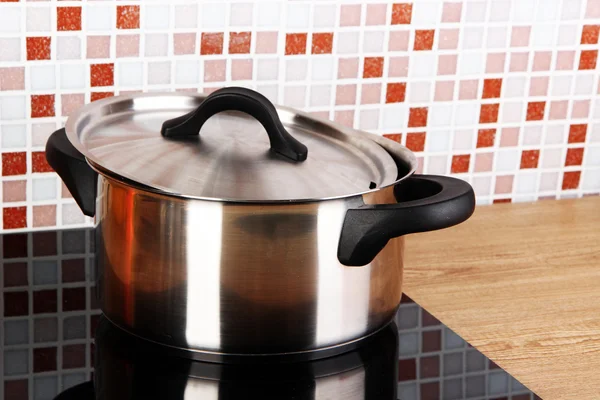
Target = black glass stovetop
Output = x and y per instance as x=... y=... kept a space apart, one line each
x=56 y=343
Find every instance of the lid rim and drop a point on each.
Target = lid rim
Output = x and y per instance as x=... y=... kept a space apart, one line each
x=156 y=191
x=302 y=120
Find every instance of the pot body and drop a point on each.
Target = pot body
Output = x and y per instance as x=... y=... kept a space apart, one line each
x=251 y=279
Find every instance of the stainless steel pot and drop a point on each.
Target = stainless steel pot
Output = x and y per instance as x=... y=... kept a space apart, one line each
x=218 y=246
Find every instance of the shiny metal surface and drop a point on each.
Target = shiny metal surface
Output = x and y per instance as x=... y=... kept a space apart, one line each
x=248 y=279
x=230 y=160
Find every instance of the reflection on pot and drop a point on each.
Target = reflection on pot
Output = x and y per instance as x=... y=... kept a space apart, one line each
x=131 y=368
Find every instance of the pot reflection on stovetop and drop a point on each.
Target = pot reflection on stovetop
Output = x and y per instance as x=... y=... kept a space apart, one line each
x=130 y=368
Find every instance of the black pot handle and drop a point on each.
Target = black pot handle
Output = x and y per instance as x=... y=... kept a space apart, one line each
x=425 y=203
x=238 y=99
x=74 y=170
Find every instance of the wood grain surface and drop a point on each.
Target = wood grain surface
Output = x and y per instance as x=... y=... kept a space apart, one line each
x=521 y=283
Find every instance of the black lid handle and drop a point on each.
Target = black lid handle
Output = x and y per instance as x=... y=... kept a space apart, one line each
x=238 y=99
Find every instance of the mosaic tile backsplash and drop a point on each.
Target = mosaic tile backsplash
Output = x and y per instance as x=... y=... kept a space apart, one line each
x=501 y=93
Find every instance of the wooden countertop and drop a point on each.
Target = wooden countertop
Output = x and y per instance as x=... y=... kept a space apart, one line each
x=521 y=283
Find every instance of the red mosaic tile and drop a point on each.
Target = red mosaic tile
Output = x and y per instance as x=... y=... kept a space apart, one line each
x=574 y=156
x=42 y=106
x=417 y=117
x=295 y=43
x=396 y=137
x=73 y=356
x=15 y=274
x=68 y=18
x=423 y=39
x=431 y=341
x=488 y=113
x=239 y=42
x=15 y=245
x=407 y=370
x=44 y=359
x=16 y=304
x=401 y=13
x=428 y=319
x=38 y=48
x=100 y=95
x=44 y=243
x=102 y=74
x=577 y=133
x=589 y=34
x=530 y=159
x=373 y=67
x=45 y=301
x=492 y=88
x=460 y=163
x=14 y=163
x=73 y=270
x=39 y=162
x=322 y=43
x=588 y=59
x=395 y=92
x=18 y=389
x=416 y=141
x=430 y=391
x=486 y=138
x=571 y=180
x=14 y=217
x=211 y=43
x=535 y=110
x=128 y=17
x=73 y=299
x=429 y=367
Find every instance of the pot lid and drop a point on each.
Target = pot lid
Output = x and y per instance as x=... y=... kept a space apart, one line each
x=231 y=145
